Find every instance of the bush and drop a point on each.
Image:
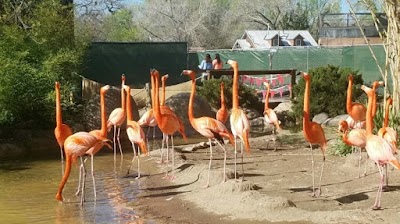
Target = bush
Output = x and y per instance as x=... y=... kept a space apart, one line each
x=31 y=60
x=328 y=91
x=210 y=90
x=340 y=148
x=394 y=119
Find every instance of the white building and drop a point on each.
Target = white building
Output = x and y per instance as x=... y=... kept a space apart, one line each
x=266 y=39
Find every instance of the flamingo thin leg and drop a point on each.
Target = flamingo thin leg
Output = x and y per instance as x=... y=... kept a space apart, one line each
x=377 y=204
x=62 y=161
x=224 y=179
x=313 y=173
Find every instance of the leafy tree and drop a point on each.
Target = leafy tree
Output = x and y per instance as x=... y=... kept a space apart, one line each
x=120 y=27
x=210 y=90
x=328 y=90
x=36 y=49
x=295 y=19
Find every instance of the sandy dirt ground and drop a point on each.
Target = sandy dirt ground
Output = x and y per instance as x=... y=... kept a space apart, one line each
x=277 y=187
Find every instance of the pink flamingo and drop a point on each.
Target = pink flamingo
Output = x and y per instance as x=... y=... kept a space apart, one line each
x=116 y=119
x=240 y=125
x=270 y=116
x=222 y=113
x=356 y=111
x=62 y=131
x=388 y=133
x=313 y=133
x=167 y=121
x=378 y=149
x=100 y=135
x=134 y=131
x=354 y=138
x=76 y=146
x=207 y=126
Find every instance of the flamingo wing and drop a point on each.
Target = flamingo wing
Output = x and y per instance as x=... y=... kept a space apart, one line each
x=117 y=117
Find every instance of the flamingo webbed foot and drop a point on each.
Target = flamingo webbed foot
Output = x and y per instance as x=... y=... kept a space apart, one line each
x=376 y=207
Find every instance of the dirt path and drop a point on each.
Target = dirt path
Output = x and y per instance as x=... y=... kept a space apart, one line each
x=277 y=188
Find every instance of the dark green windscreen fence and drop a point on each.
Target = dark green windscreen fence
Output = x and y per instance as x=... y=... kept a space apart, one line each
x=107 y=61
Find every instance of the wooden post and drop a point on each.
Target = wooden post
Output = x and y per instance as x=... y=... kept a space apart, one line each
x=292 y=82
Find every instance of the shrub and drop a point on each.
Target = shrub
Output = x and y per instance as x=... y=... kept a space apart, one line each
x=340 y=148
x=210 y=90
x=328 y=91
x=394 y=119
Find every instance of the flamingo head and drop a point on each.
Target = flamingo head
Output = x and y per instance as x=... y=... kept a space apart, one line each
x=164 y=77
x=104 y=89
x=155 y=73
x=389 y=100
x=377 y=83
x=232 y=63
x=123 y=78
x=222 y=85
x=126 y=88
x=57 y=85
x=266 y=84
x=350 y=77
x=343 y=126
x=367 y=90
x=306 y=76
x=190 y=73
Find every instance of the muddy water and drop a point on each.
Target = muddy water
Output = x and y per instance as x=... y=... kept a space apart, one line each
x=28 y=188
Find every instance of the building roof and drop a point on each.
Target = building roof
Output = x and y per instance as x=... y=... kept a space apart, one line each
x=259 y=38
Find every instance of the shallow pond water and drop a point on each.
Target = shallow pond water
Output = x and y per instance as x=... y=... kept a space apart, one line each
x=28 y=188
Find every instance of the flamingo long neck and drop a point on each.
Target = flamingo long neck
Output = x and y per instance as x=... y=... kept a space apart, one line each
x=368 y=125
x=68 y=161
x=103 y=114
x=163 y=92
x=266 y=106
x=156 y=105
x=191 y=99
x=374 y=108
x=58 y=108
x=348 y=99
x=306 y=109
x=386 y=120
x=345 y=138
x=222 y=96
x=128 y=104
x=235 y=89
x=123 y=103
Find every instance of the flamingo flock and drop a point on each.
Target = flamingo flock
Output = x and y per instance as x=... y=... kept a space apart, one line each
x=356 y=131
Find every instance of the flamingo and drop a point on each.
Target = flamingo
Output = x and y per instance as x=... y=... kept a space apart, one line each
x=76 y=146
x=147 y=119
x=356 y=111
x=167 y=120
x=354 y=138
x=62 y=131
x=313 y=133
x=222 y=113
x=134 y=131
x=388 y=133
x=208 y=127
x=378 y=149
x=270 y=115
x=116 y=119
x=99 y=134
x=240 y=125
